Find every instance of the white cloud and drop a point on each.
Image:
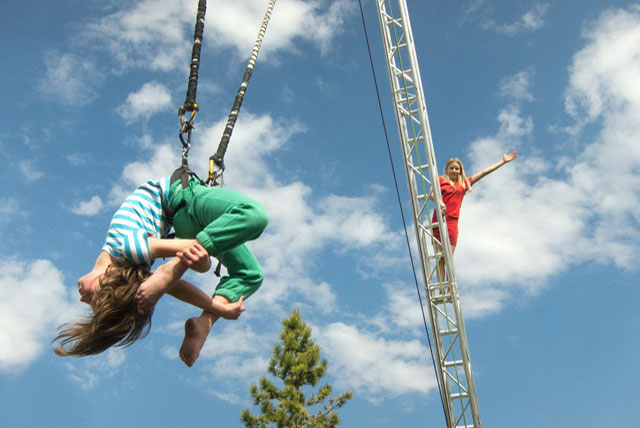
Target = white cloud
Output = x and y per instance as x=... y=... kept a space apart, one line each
x=33 y=302
x=486 y=301
x=152 y=98
x=517 y=86
x=237 y=23
x=534 y=18
x=90 y=207
x=162 y=160
x=517 y=227
x=69 y=79
x=531 y=20
x=246 y=340
x=253 y=141
x=90 y=370
x=326 y=26
x=158 y=34
x=474 y=7
x=8 y=209
x=151 y=34
x=170 y=352
x=233 y=354
x=610 y=62
x=78 y=159
x=605 y=75
x=403 y=311
x=373 y=365
x=248 y=368
x=28 y=169
x=301 y=226
x=536 y=217
x=512 y=125
x=228 y=397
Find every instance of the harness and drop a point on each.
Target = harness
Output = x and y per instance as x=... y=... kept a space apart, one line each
x=216 y=161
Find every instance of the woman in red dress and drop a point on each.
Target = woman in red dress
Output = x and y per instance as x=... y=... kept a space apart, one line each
x=453 y=186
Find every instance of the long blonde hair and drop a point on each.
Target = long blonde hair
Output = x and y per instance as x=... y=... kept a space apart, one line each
x=462 y=177
x=115 y=319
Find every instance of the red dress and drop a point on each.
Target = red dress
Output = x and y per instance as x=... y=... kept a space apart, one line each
x=452 y=197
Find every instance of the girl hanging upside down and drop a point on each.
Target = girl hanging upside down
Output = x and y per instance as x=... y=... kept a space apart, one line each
x=453 y=186
x=121 y=289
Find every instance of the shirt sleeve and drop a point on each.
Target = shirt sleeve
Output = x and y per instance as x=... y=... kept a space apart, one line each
x=470 y=180
x=131 y=245
x=136 y=247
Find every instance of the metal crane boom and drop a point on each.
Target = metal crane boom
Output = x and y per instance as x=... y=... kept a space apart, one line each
x=453 y=367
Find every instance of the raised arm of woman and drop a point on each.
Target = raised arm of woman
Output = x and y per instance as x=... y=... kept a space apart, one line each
x=507 y=157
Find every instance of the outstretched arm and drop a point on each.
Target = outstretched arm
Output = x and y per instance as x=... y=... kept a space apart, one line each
x=507 y=157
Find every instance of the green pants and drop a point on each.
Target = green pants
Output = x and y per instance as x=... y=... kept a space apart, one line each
x=222 y=220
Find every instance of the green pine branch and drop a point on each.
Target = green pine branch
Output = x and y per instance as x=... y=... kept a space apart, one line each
x=296 y=362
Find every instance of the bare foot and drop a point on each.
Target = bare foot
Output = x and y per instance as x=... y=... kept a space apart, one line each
x=196 y=331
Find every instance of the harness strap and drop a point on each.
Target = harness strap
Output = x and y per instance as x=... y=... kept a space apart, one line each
x=184 y=174
x=217 y=271
x=168 y=212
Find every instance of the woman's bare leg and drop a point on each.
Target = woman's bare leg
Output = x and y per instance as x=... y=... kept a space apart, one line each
x=441 y=267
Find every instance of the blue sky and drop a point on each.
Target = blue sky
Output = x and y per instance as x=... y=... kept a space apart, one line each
x=548 y=249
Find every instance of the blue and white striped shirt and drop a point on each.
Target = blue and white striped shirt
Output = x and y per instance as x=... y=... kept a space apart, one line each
x=139 y=217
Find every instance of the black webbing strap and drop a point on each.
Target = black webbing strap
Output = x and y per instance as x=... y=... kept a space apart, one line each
x=190 y=100
x=168 y=213
x=217 y=271
x=184 y=174
x=190 y=104
x=218 y=157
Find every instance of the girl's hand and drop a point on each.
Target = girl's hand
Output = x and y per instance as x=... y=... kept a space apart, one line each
x=195 y=257
x=443 y=207
x=151 y=289
x=508 y=157
x=234 y=310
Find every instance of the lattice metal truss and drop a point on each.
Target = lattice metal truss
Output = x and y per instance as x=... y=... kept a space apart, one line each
x=453 y=367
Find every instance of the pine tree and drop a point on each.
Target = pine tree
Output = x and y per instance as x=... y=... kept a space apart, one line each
x=295 y=363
